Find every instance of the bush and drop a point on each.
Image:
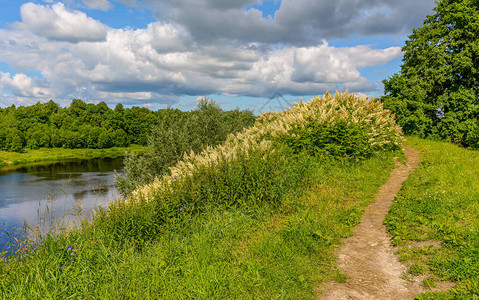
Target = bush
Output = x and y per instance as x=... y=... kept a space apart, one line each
x=343 y=125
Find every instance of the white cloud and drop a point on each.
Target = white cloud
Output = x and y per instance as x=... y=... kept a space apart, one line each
x=79 y=57
x=366 y=57
x=128 y=96
x=57 y=23
x=132 y=65
x=22 y=86
x=296 y=23
x=310 y=70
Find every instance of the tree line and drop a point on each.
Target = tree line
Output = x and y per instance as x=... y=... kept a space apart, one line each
x=81 y=125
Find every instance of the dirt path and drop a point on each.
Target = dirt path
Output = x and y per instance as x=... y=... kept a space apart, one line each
x=367 y=257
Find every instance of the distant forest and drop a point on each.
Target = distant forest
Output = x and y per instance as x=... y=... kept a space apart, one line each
x=81 y=125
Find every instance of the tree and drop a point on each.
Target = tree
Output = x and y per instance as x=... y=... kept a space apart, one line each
x=177 y=132
x=14 y=140
x=38 y=136
x=436 y=93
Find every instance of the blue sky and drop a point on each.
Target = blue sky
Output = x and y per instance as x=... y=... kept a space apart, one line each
x=156 y=53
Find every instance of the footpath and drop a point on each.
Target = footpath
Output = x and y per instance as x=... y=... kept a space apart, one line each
x=367 y=257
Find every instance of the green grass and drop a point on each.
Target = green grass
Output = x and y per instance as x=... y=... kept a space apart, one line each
x=12 y=160
x=257 y=217
x=439 y=206
x=264 y=251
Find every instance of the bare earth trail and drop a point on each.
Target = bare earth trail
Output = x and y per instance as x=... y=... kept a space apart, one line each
x=367 y=257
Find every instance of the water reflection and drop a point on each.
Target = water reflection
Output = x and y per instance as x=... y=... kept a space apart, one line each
x=45 y=194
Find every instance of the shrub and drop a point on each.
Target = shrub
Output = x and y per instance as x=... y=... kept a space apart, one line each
x=343 y=125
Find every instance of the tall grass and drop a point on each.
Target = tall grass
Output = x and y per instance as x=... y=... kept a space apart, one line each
x=256 y=252
x=301 y=127
x=255 y=217
x=251 y=167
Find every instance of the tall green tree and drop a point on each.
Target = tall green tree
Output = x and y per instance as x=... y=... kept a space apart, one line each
x=436 y=93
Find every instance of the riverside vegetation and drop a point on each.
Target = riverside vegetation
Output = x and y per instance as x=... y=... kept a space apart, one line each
x=257 y=216
x=44 y=132
x=13 y=160
x=78 y=126
x=176 y=133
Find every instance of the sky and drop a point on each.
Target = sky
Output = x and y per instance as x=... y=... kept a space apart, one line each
x=240 y=53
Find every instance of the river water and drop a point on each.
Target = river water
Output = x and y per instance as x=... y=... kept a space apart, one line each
x=40 y=196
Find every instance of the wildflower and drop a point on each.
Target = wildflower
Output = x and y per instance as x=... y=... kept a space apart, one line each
x=69 y=248
x=181 y=209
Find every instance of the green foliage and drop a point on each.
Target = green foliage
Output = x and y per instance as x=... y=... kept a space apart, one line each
x=343 y=126
x=340 y=140
x=250 y=168
x=177 y=133
x=251 y=181
x=79 y=126
x=439 y=206
x=256 y=252
x=11 y=139
x=14 y=160
x=251 y=218
x=436 y=93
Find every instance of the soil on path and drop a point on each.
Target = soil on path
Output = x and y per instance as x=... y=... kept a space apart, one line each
x=367 y=257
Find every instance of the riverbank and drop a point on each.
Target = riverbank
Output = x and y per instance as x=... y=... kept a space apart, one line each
x=13 y=160
x=258 y=216
x=257 y=251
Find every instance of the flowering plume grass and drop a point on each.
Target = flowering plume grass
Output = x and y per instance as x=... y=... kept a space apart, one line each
x=258 y=216
x=258 y=164
x=301 y=127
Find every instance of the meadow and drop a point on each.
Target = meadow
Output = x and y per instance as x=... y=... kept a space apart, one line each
x=12 y=160
x=259 y=216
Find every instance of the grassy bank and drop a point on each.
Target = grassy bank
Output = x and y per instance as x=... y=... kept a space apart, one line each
x=435 y=219
x=12 y=160
x=259 y=251
x=257 y=217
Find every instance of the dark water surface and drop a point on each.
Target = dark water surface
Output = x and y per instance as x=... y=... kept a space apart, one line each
x=58 y=192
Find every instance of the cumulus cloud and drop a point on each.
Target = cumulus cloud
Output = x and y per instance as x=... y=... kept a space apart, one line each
x=298 y=22
x=22 y=86
x=133 y=64
x=57 y=23
x=310 y=70
x=199 y=48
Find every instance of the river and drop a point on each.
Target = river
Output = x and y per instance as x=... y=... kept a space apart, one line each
x=57 y=193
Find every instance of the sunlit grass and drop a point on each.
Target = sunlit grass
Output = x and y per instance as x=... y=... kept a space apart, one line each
x=261 y=252
x=435 y=219
x=12 y=160
x=258 y=217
